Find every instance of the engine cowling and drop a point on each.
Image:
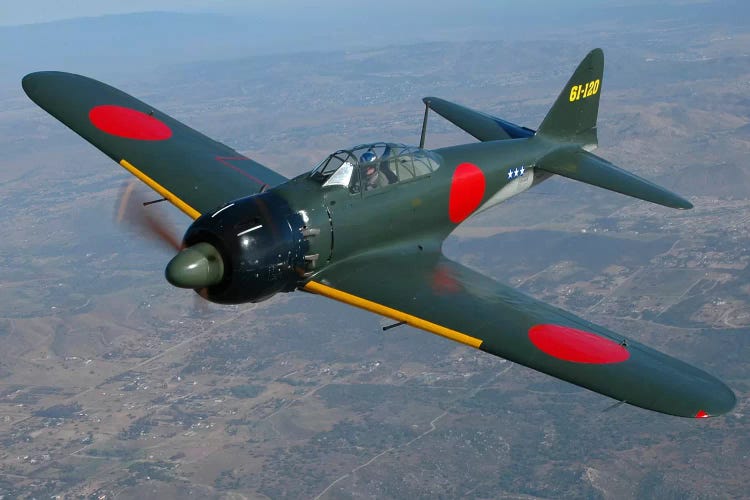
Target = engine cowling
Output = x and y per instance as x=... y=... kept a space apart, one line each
x=246 y=251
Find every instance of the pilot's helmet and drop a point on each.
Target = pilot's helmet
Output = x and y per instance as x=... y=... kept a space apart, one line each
x=368 y=157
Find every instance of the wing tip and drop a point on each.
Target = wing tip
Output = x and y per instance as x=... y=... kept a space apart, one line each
x=722 y=400
x=32 y=83
x=679 y=202
x=681 y=205
x=28 y=82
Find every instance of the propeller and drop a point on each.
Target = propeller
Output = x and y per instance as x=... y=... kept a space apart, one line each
x=197 y=267
x=131 y=211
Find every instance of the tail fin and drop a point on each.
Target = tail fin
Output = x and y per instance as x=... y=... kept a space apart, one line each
x=573 y=116
x=572 y=122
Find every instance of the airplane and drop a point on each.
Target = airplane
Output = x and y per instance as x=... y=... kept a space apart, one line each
x=365 y=227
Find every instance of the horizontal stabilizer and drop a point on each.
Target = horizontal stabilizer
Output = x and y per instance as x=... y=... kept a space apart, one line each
x=580 y=165
x=477 y=124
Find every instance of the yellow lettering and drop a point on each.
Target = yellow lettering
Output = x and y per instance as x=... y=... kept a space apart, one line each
x=583 y=91
x=573 y=94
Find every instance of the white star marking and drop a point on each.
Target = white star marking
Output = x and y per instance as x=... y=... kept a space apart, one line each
x=515 y=172
x=510 y=174
x=522 y=170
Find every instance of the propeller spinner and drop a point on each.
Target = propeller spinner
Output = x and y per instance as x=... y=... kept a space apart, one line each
x=197 y=266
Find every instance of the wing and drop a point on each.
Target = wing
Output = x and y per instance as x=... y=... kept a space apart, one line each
x=438 y=295
x=187 y=168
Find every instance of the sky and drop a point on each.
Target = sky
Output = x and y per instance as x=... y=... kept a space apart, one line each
x=84 y=35
x=15 y=12
x=81 y=35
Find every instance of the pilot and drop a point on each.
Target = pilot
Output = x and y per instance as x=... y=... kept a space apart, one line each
x=371 y=174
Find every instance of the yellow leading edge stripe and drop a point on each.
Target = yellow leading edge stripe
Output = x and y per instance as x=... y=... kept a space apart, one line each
x=174 y=200
x=347 y=298
x=320 y=288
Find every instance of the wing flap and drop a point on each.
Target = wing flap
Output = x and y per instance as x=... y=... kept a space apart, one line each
x=469 y=307
x=167 y=155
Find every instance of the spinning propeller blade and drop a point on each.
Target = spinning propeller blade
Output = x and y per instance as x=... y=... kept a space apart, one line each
x=131 y=211
x=196 y=267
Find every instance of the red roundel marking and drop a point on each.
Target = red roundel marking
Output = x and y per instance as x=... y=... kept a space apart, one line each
x=701 y=414
x=443 y=282
x=467 y=191
x=576 y=346
x=128 y=123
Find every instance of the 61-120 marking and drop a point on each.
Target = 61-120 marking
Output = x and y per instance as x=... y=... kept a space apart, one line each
x=584 y=90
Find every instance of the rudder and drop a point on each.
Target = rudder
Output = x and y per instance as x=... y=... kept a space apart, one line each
x=573 y=116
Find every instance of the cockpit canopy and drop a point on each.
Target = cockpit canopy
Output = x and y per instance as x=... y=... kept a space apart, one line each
x=372 y=166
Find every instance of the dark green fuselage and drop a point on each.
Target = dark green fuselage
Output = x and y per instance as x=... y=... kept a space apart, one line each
x=411 y=213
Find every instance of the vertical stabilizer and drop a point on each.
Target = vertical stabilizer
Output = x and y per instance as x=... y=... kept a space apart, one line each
x=573 y=116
